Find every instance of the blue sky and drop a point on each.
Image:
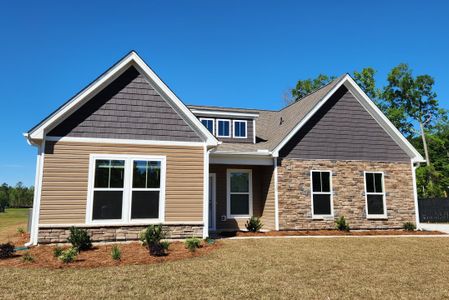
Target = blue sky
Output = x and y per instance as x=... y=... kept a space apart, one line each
x=228 y=53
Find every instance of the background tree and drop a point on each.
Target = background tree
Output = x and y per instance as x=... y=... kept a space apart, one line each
x=307 y=86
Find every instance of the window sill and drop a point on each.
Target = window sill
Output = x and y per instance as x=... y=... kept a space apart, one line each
x=326 y=217
x=377 y=218
x=238 y=217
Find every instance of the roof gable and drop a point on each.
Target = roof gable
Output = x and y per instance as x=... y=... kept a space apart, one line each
x=131 y=60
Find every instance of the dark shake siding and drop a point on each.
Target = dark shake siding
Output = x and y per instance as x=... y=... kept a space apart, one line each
x=129 y=108
x=343 y=130
x=249 y=133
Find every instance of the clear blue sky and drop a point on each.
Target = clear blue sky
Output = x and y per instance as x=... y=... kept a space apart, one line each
x=228 y=53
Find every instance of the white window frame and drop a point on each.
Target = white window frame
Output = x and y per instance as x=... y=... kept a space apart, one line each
x=213 y=123
x=375 y=216
x=228 y=193
x=218 y=128
x=331 y=193
x=246 y=129
x=127 y=189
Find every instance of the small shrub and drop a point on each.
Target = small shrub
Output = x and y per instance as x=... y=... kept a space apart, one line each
x=254 y=224
x=6 y=250
x=192 y=244
x=165 y=245
x=209 y=241
x=409 y=226
x=27 y=257
x=57 y=251
x=68 y=255
x=153 y=236
x=80 y=239
x=341 y=224
x=20 y=230
x=116 y=254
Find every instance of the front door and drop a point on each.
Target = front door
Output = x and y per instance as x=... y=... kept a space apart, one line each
x=212 y=203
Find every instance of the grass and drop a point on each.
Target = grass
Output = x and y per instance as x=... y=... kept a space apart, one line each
x=10 y=220
x=368 y=268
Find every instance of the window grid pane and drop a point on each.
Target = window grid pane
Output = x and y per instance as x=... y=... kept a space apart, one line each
x=321 y=193
x=239 y=129
x=223 y=128
x=374 y=194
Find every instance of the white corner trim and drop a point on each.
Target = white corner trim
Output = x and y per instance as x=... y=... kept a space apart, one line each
x=254 y=131
x=122 y=141
x=228 y=193
x=206 y=192
x=276 y=195
x=375 y=216
x=224 y=113
x=233 y=129
x=132 y=59
x=331 y=193
x=34 y=234
x=415 y=194
x=217 y=130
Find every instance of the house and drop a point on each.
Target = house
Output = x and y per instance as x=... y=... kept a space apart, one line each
x=125 y=152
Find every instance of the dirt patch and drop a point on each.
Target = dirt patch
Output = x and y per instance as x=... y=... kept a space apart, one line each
x=329 y=233
x=100 y=256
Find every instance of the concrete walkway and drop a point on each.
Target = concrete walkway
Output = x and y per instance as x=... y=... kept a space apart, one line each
x=435 y=227
x=338 y=236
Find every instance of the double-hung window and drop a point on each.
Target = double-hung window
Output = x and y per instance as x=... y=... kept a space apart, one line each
x=209 y=124
x=239 y=198
x=375 y=195
x=126 y=189
x=240 y=129
x=223 y=128
x=322 y=205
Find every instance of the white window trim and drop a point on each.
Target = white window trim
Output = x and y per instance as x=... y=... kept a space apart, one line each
x=246 y=129
x=213 y=123
x=127 y=189
x=375 y=216
x=218 y=128
x=331 y=193
x=228 y=193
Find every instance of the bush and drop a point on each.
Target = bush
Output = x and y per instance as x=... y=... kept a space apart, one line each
x=152 y=239
x=68 y=255
x=116 y=254
x=165 y=245
x=254 y=224
x=192 y=244
x=341 y=224
x=57 y=251
x=6 y=250
x=80 y=239
x=20 y=230
x=409 y=226
x=27 y=257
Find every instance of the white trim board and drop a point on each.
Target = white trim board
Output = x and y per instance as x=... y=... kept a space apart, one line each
x=372 y=109
x=132 y=59
x=224 y=113
x=122 y=141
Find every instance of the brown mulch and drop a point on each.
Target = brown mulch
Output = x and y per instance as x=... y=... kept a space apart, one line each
x=330 y=233
x=100 y=256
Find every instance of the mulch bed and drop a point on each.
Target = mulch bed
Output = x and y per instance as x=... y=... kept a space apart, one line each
x=100 y=256
x=328 y=233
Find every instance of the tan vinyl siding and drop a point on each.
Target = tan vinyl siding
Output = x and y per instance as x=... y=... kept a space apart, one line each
x=65 y=180
x=263 y=196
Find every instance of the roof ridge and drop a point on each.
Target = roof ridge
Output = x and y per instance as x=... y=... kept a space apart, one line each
x=227 y=107
x=337 y=79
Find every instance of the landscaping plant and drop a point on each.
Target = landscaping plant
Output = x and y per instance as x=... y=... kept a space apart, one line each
x=57 y=251
x=341 y=224
x=20 y=230
x=192 y=244
x=79 y=238
x=116 y=254
x=254 y=224
x=409 y=226
x=153 y=236
x=6 y=250
x=27 y=257
x=68 y=255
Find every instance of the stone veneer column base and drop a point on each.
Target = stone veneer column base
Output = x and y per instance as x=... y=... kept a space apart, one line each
x=60 y=234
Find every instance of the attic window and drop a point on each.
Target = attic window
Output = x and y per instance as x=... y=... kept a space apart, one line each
x=209 y=124
x=223 y=128
x=240 y=129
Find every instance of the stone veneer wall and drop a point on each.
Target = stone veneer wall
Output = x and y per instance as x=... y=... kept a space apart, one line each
x=116 y=233
x=295 y=206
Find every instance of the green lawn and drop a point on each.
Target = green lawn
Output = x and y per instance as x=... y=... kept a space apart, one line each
x=10 y=220
x=348 y=268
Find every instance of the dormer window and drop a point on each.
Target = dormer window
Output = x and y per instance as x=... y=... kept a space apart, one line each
x=223 y=128
x=209 y=124
x=240 y=129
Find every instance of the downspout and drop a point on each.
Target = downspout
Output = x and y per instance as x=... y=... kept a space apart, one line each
x=37 y=194
x=415 y=193
x=206 y=192
x=276 y=196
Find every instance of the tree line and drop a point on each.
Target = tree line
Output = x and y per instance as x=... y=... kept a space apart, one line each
x=16 y=196
x=411 y=104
